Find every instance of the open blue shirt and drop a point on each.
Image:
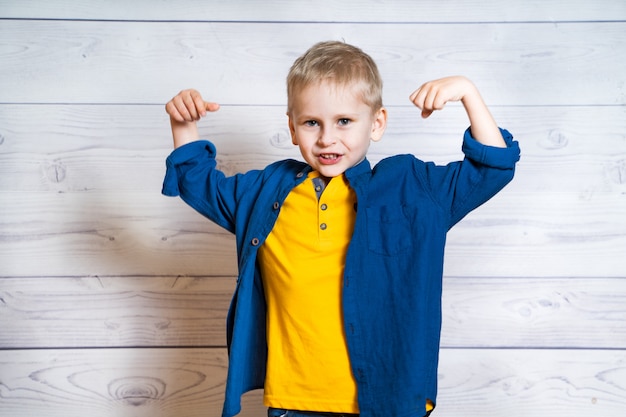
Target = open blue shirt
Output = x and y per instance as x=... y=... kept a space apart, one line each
x=393 y=273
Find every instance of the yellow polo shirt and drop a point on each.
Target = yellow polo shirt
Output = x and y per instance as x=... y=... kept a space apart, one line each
x=302 y=263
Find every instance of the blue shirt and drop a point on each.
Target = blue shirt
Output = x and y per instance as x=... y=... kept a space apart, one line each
x=394 y=264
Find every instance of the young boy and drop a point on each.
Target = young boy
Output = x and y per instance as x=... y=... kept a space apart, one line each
x=338 y=299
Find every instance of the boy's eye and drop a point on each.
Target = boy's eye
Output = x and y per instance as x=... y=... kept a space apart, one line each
x=310 y=123
x=343 y=122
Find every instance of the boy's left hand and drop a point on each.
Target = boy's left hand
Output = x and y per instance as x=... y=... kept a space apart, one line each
x=434 y=95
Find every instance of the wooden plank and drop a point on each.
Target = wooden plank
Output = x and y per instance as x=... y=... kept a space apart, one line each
x=95 y=148
x=78 y=148
x=320 y=10
x=144 y=62
x=561 y=235
x=190 y=382
x=534 y=312
x=108 y=235
x=532 y=383
x=126 y=382
x=127 y=233
x=91 y=312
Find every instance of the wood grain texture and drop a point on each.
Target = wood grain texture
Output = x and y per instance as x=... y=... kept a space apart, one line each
x=190 y=382
x=532 y=383
x=91 y=312
x=320 y=10
x=554 y=235
x=77 y=148
x=98 y=172
x=127 y=382
x=113 y=298
x=145 y=62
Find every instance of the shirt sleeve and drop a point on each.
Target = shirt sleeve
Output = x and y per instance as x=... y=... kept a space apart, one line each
x=461 y=186
x=503 y=158
x=192 y=175
x=181 y=159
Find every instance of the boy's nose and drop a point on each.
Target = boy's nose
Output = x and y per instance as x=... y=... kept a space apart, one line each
x=327 y=137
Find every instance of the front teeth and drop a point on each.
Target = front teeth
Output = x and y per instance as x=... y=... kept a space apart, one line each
x=329 y=156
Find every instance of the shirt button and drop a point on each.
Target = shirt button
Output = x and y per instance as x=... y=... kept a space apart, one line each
x=255 y=241
x=323 y=226
x=323 y=206
x=318 y=188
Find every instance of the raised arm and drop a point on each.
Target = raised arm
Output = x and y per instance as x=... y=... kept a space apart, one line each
x=434 y=95
x=185 y=109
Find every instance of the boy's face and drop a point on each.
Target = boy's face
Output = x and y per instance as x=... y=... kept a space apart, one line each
x=333 y=127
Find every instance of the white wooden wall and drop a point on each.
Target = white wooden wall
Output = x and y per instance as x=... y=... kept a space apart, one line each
x=113 y=298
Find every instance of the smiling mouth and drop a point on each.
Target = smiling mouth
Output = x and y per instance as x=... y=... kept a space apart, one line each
x=329 y=158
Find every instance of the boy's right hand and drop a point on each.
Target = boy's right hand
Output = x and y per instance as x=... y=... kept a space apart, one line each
x=188 y=106
x=185 y=109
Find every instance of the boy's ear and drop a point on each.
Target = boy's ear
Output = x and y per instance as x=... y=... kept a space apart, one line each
x=379 y=125
x=292 y=130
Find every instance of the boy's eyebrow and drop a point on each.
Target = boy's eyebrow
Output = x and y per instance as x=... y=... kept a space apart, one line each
x=346 y=115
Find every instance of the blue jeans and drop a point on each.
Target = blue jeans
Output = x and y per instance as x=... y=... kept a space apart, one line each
x=279 y=412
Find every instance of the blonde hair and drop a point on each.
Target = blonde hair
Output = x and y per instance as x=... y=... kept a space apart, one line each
x=340 y=63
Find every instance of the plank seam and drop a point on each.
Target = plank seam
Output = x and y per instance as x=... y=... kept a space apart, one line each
x=319 y=22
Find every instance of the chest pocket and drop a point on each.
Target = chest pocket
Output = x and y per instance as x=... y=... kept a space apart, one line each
x=390 y=229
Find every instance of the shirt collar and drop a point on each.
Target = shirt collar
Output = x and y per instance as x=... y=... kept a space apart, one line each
x=361 y=168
